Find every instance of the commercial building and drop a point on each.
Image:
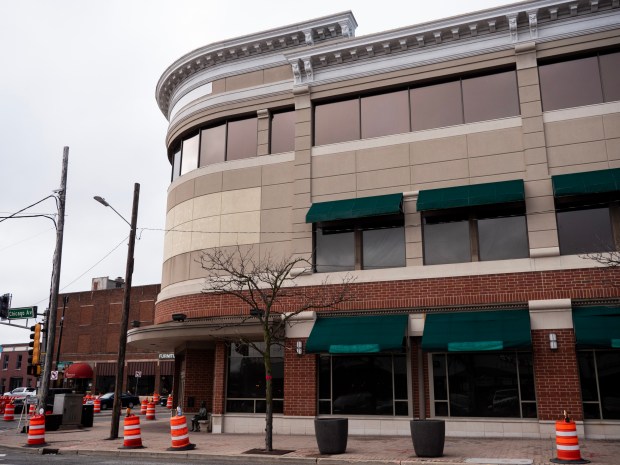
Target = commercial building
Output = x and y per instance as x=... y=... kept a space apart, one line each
x=14 y=364
x=458 y=169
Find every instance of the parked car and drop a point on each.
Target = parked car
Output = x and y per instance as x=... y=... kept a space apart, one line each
x=127 y=400
x=22 y=392
x=163 y=400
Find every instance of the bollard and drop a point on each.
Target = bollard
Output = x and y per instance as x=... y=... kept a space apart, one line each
x=36 y=431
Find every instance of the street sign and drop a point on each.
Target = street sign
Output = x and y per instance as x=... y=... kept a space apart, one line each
x=63 y=365
x=138 y=374
x=54 y=375
x=21 y=313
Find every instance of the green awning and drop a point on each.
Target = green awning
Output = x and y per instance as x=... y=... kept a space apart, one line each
x=357 y=335
x=477 y=331
x=355 y=208
x=590 y=182
x=597 y=327
x=471 y=195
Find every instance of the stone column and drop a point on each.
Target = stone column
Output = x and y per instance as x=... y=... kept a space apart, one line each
x=263 y=132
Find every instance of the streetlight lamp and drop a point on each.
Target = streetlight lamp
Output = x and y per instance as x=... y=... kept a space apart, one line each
x=122 y=344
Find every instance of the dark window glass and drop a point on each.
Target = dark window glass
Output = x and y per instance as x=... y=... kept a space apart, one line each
x=490 y=97
x=19 y=362
x=324 y=377
x=190 y=154
x=610 y=75
x=400 y=378
x=441 y=409
x=440 y=386
x=336 y=122
x=585 y=231
x=570 y=84
x=242 y=139
x=385 y=114
x=212 y=145
x=325 y=407
x=587 y=376
x=383 y=248
x=446 y=242
x=502 y=238
x=526 y=376
x=283 y=132
x=608 y=365
x=335 y=250
x=436 y=106
x=176 y=165
x=528 y=410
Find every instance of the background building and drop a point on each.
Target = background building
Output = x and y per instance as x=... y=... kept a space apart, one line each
x=14 y=360
x=458 y=169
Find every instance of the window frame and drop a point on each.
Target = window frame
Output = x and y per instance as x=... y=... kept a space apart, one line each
x=272 y=113
x=593 y=354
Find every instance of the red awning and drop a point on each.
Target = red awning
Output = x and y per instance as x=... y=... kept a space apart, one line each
x=79 y=370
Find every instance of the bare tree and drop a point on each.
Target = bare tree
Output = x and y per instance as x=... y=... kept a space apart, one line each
x=269 y=288
x=610 y=258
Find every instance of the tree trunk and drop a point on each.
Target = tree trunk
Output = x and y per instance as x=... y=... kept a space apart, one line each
x=268 y=396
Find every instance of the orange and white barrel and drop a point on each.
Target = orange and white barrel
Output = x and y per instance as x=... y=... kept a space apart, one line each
x=31 y=410
x=179 y=434
x=567 y=443
x=132 y=437
x=9 y=412
x=156 y=398
x=97 y=405
x=169 y=402
x=36 y=431
x=143 y=406
x=150 y=411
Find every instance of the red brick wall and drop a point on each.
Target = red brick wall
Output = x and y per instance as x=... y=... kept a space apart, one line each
x=12 y=371
x=438 y=292
x=300 y=381
x=199 y=366
x=219 y=378
x=415 y=385
x=556 y=375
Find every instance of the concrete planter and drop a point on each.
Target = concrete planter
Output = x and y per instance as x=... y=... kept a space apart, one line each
x=331 y=435
x=428 y=437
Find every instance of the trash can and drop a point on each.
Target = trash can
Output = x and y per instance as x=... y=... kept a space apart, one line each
x=88 y=414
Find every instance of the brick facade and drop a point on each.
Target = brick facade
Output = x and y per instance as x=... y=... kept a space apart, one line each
x=300 y=381
x=16 y=369
x=199 y=366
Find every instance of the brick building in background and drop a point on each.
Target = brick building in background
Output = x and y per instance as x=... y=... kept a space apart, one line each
x=13 y=366
x=457 y=169
x=90 y=336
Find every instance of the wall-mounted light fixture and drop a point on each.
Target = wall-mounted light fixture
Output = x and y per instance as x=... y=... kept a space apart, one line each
x=299 y=348
x=135 y=324
x=553 y=341
x=179 y=316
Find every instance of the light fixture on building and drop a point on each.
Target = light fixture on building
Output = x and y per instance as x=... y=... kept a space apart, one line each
x=299 y=348
x=179 y=316
x=553 y=341
x=135 y=324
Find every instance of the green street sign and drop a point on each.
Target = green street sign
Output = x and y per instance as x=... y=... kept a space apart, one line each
x=22 y=312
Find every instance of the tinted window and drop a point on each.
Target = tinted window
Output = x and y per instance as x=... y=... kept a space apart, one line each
x=190 y=154
x=436 y=106
x=610 y=76
x=383 y=248
x=242 y=139
x=490 y=97
x=385 y=114
x=585 y=231
x=336 y=122
x=608 y=365
x=335 y=251
x=446 y=242
x=570 y=84
x=213 y=145
x=283 y=132
x=176 y=165
x=502 y=238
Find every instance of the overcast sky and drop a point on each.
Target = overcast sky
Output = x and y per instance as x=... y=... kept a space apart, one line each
x=82 y=74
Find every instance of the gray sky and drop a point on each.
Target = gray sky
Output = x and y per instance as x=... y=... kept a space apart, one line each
x=82 y=74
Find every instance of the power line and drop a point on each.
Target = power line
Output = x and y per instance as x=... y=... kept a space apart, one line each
x=25 y=240
x=26 y=208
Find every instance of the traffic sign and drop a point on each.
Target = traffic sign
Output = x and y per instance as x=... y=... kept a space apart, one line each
x=138 y=374
x=53 y=375
x=20 y=313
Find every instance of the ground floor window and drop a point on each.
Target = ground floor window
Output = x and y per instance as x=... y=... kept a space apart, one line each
x=599 y=373
x=498 y=384
x=245 y=387
x=165 y=384
x=143 y=386
x=363 y=384
x=105 y=384
x=15 y=383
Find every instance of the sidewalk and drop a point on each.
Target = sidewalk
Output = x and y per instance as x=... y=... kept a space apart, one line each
x=361 y=450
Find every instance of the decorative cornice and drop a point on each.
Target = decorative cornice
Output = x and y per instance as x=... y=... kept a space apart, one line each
x=307 y=33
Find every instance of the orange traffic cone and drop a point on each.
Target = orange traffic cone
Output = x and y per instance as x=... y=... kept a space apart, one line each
x=32 y=410
x=169 y=402
x=9 y=412
x=156 y=398
x=36 y=431
x=150 y=411
x=132 y=438
x=179 y=435
x=97 y=405
x=567 y=443
x=143 y=406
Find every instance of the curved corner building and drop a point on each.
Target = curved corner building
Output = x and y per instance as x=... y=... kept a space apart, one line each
x=464 y=171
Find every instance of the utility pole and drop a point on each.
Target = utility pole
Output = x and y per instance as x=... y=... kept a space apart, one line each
x=50 y=323
x=65 y=300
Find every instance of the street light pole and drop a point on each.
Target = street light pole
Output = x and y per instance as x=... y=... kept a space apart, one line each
x=122 y=344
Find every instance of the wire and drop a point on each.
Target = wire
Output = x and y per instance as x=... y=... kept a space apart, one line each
x=24 y=240
x=26 y=208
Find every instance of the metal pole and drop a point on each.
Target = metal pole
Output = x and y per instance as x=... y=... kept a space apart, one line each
x=65 y=299
x=50 y=324
x=122 y=344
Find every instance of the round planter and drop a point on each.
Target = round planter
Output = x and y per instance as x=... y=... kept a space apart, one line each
x=331 y=435
x=428 y=437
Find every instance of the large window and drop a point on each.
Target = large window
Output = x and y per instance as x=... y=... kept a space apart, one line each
x=580 y=81
x=599 y=372
x=363 y=385
x=245 y=389
x=282 y=132
x=465 y=235
x=498 y=384
x=370 y=243
x=18 y=364
x=5 y=362
x=588 y=229
x=466 y=100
